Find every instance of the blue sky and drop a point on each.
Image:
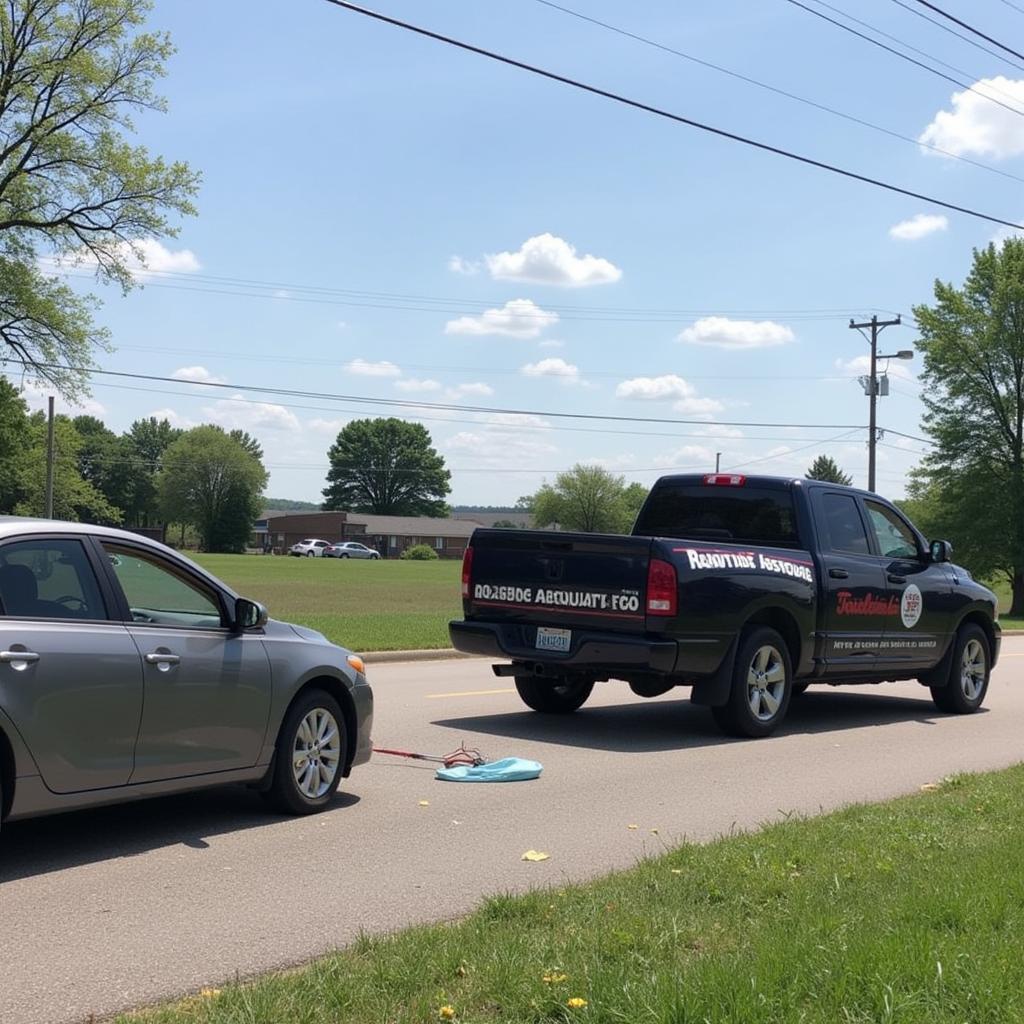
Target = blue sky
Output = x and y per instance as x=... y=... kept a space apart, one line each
x=662 y=267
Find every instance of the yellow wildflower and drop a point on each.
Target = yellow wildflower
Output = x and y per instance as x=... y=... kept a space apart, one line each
x=446 y=1012
x=554 y=977
x=576 y=1003
x=209 y=993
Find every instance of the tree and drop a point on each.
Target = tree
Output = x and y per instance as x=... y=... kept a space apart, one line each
x=13 y=455
x=72 y=189
x=824 y=467
x=74 y=498
x=105 y=461
x=971 y=482
x=144 y=446
x=586 y=498
x=387 y=467
x=248 y=442
x=212 y=482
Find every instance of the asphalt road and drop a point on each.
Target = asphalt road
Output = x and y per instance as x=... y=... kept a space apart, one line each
x=109 y=909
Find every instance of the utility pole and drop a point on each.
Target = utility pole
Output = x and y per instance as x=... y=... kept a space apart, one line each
x=49 y=459
x=718 y=461
x=877 y=326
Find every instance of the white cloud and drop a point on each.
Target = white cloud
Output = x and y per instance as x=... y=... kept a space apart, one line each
x=655 y=389
x=690 y=456
x=918 y=226
x=1004 y=233
x=236 y=413
x=499 y=446
x=364 y=368
x=37 y=393
x=457 y=265
x=721 y=332
x=518 y=318
x=694 y=406
x=551 y=343
x=412 y=385
x=197 y=375
x=862 y=365
x=322 y=426
x=553 y=367
x=978 y=127
x=516 y=419
x=173 y=417
x=719 y=430
x=144 y=259
x=475 y=388
x=548 y=259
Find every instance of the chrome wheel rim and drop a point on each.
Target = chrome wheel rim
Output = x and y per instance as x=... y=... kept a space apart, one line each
x=766 y=683
x=972 y=670
x=316 y=753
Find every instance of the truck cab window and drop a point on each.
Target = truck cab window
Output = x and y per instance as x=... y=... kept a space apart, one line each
x=844 y=525
x=895 y=539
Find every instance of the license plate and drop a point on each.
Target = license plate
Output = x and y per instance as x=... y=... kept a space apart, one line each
x=553 y=639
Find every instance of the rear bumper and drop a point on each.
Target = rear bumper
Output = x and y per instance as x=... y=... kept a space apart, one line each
x=591 y=651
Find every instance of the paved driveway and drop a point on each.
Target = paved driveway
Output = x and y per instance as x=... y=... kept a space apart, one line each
x=103 y=910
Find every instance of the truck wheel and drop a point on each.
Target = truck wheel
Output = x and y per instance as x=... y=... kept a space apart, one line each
x=968 y=673
x=762 y=683
x=550 y=697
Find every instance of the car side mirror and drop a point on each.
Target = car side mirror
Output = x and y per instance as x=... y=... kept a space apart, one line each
x=941 y=551
x=249 y=614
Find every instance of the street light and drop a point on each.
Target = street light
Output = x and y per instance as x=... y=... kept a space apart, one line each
x=871 y=387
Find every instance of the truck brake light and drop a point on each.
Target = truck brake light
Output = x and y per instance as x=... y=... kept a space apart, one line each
x=662 y=588
x=725 y=480
x=467 y=570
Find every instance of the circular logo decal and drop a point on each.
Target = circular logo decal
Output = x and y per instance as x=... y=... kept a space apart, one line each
x=911 y=606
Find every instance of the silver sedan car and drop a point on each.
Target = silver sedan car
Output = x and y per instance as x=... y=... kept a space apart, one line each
x=351 y=549
x=128 y=671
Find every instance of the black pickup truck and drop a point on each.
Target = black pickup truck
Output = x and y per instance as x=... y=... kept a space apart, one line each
x=746 y=588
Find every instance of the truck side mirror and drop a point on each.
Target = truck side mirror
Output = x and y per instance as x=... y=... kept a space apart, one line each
x=941 y=551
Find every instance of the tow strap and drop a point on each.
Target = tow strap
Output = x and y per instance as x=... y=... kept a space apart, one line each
x=469 y=765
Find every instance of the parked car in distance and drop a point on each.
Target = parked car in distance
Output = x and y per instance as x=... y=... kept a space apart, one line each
x=312 y=548
x=127 y=671
x=351 y=549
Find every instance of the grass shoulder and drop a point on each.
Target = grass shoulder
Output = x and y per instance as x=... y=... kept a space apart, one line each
x=906 y=911
x=364 y=605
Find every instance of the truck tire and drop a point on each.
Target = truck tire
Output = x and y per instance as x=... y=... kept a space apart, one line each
x=969 y=672
x=551 y=696
x=762 y=684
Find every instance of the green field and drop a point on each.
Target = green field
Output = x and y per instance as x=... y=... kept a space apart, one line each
x=363 y=605
x=908 y=912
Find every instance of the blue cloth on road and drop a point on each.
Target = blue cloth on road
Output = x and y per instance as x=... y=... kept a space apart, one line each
x=508 y=769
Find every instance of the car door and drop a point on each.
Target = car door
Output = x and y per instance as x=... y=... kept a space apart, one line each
x=70 y=675
x=920 y=593
x=854 y=598
x=207 y=688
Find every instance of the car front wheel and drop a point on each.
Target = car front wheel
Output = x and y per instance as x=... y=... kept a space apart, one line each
x=310 y=754
x=969 y=672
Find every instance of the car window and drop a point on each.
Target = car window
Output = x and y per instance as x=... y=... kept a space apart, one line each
x=157 y=593
x=49 y=579
x=844 y=525
x=895 y=539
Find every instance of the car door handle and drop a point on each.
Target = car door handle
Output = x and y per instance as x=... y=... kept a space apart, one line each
x=162 y=659
x=893 y=578
x=26 y=656
x=839 y=574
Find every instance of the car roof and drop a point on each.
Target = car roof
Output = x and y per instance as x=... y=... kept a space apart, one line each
x=12 y=527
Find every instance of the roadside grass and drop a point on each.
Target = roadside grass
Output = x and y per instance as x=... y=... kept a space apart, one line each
x=907 y=911
x=1002 y=590
x=366 y=606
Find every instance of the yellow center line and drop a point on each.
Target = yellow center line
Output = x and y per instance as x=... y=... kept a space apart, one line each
x=467 y=693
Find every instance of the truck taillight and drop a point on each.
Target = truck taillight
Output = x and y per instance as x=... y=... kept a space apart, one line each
x=725 y=480
x=467 y=571
x=662 y=588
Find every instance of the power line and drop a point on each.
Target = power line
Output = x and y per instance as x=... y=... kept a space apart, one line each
x=658 y=112
x=432 y=406
x=781 y=92
x=971 y=29
x=958 y=35
x=903 y=56
x=1013 y=6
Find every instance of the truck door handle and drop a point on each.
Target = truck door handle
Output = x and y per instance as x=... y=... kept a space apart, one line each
x=24 y=656
x=896 y=579
x=839 y=574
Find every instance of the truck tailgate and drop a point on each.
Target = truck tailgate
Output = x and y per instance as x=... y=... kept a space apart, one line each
x=578 y=580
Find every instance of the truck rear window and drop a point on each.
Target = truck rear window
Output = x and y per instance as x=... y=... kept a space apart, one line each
x=733 y=515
